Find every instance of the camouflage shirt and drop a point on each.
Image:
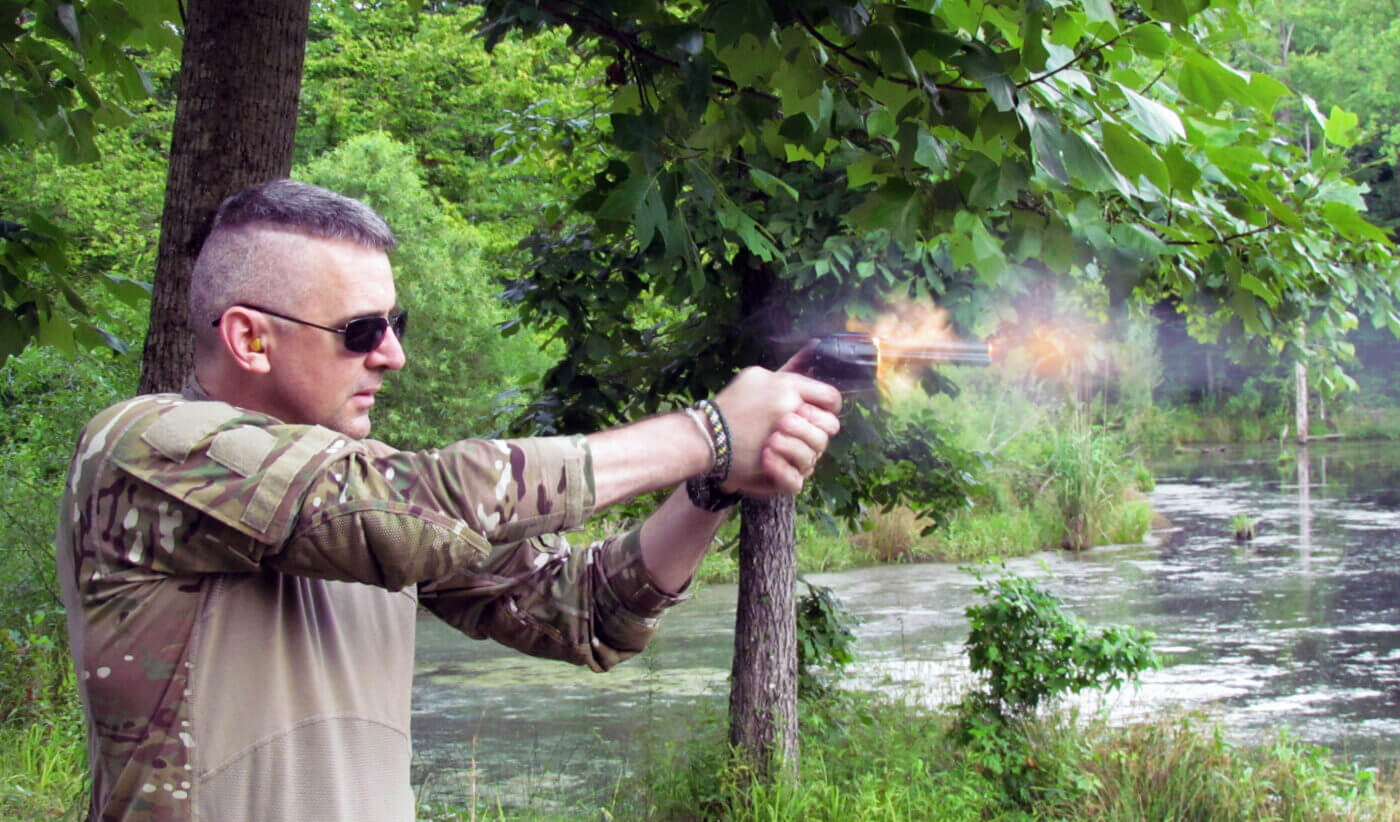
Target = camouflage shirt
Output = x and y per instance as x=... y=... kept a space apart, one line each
x=241 y=596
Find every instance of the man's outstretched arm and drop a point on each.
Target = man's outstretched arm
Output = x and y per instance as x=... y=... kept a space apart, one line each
x=779 y=422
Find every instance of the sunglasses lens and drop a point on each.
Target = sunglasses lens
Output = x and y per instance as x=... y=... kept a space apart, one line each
x=363 y=335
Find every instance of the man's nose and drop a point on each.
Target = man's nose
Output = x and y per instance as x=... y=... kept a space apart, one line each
x=388 y=354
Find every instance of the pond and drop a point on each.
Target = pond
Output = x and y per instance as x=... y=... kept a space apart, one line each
x=1298 y=629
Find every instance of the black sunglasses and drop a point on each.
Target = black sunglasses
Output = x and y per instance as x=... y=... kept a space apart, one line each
x=361 y=335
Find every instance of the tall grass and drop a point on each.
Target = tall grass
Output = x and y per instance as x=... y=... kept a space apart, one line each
x=870 y=758
x=859 y=760
x=43 y=768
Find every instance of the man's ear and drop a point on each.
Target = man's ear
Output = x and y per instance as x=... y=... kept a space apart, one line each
x=245 y=338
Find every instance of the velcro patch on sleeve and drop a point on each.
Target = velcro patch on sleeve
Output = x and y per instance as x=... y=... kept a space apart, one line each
x=272 y=488
x=242 y=449
x=180 y=430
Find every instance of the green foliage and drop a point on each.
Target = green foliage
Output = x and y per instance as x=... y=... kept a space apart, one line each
x=66 y=71
x=1185 y=768
x=1346 y=55
x=872 y=758
x=1088 y=477
x=425 y=80
x=960 y=153
x=88 y=245
x=458 y=361
x=1029 y=652
x=986 y=533
x=863 y=758
x=824 y=641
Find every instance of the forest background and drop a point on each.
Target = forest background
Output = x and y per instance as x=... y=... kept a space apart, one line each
x=467 y=152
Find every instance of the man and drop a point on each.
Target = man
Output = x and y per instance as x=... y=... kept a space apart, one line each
x=241 y=568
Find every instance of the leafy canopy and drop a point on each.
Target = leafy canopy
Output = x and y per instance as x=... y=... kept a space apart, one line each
x=776 y=165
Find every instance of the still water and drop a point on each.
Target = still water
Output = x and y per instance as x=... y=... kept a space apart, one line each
x=1298 y=629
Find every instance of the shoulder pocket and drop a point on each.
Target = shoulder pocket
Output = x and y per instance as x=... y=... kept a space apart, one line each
x=241 y=470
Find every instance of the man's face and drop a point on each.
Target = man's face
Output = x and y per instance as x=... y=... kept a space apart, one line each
x=314 y=379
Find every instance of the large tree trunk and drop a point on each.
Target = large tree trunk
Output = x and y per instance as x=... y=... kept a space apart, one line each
x=240 y=80
x=763 y=695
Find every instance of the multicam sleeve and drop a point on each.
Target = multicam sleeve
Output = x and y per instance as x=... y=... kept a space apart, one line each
x=392 y=519
x=203 y=487
x=594 y=606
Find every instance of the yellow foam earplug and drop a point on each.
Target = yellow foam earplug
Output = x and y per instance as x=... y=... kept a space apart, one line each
x=256 y=345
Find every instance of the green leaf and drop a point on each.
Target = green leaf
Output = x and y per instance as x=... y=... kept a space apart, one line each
x=1209 y=83
x=931 y=153
x=651 y=215
x=12 y=336
x=741 y=19
x=1184 y=172
x=1340 y=125
x=1267 y=91
x=893 y=207
x=1047 y=141
x=1099 y=11
x=864 y=171
x=1351 y=224
x=90 y=336
x=885 y=41
x=1159 y=123
x=1254 y=286
x=55 y=331
x=1150 y=40
x=771 y=185
x=1086 y=161
x=1139 y=242
x=986 y=69
x=623 y=201
x=1133 y=158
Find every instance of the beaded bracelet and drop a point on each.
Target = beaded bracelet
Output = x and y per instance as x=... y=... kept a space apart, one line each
x=719 y=438
x=704 y=490
x=704 y=427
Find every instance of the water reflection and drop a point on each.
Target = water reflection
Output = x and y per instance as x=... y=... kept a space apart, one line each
x=1299 y=628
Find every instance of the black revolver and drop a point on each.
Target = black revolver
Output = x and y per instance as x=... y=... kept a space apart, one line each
x=851 y=360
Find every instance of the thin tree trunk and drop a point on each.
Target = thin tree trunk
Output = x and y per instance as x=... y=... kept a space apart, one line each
x=240 y=81
x=1300 y=397
x=763 y=695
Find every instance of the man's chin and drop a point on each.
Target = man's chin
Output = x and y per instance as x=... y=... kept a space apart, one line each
x=355 y=427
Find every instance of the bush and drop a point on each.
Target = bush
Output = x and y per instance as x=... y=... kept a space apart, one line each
x=1030 y=652
x=824 y=641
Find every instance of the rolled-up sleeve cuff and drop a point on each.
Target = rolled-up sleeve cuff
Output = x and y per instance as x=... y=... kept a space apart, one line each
x=630 y=580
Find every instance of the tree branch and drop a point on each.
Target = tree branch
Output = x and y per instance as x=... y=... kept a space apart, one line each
x=1228 y=239
x=1078 y=57
x=871 y=67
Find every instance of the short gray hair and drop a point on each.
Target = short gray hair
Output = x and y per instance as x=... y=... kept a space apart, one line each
x=258 y=231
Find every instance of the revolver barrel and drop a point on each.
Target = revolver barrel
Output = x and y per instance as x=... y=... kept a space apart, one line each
x=851 y=360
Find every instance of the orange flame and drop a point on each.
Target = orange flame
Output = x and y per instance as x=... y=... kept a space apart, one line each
x=906 y=325
x=1056 y=351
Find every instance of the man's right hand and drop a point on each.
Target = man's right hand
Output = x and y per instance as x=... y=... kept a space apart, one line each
x=780 y=423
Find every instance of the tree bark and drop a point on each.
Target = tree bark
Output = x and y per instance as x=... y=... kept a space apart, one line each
x=763 y=695
x=240 y=82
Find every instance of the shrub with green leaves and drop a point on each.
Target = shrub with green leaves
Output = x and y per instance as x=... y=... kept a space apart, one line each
x=1029 y=652
x=824 y=640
